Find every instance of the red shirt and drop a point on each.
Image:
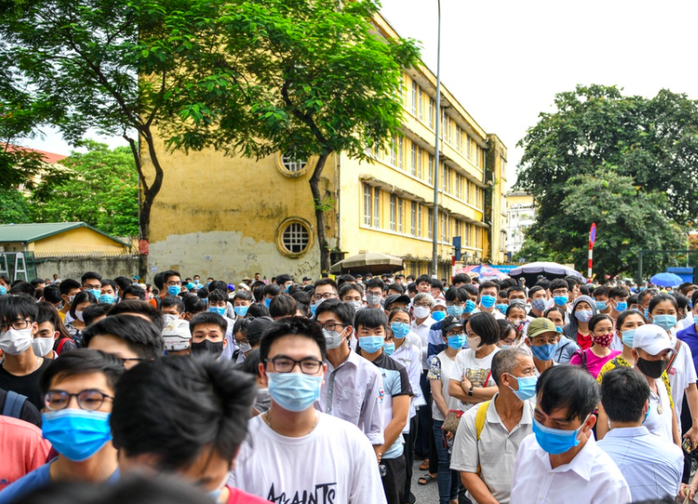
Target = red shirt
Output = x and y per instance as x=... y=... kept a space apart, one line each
x=583 y=341
x=22 y=449
x=237 y=496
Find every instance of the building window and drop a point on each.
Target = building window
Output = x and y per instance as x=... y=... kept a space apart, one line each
x=419 y=162
x=469 y=144
x=419 y=220
x=443 y=227
x=376 y=207
x=443 y=177
x=432 y=104
x=393 y=210
x=415 y=89
x=419 y=104
x=393 y=153
x=295 y=238
x=367 y=204
x=292 y=164
x=413 y=227
x=430 y=223
x=399 y=215
x=414 y=159
x=431 y=169
x=400 y=153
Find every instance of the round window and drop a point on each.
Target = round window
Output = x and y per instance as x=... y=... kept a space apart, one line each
x=292 y=164
x=295 y=238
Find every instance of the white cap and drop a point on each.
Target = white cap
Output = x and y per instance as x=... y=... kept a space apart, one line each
x=244 y=286
x=652 y=339
x=176 y=335
x=440 y=302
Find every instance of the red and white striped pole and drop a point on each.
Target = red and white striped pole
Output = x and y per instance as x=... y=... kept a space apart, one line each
x=592 y=240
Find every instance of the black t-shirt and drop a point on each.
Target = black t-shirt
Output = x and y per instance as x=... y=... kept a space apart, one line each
x=26 y=385
x=29 y=412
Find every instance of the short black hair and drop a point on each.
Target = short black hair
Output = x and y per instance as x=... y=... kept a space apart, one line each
x=559 y=283
x=133 y=290
x=624 y=392
x=272 y=290
x=326 y=281
x=370 y=318
x=470 y=289
x=217 y=295
x=282 y=279
x=193 y=304
x=514 y=306
x=157 y=280
x=438 y=284
x=22 y=287
x=17 y=307
x=256 y=329
x=461 y=278
x=283 y=306
x=344 y=311
x=208 y=318
x=601 y=290
x=257 y=310
x=93 y=312
x=218 y=285
x=89 y=275
x=137 y=306
x=618 y=291
x=377 y=282
x=344 y=288
x=569 y=387
x=484 y=325
x=516 y=288
x=52 y=294
x=535 y=289
x=122 y=282
x=110 y=283
x=302 y=297
x=142 y=337
x=292 y=326
x=243 y=294
x=68 y=285
x=423 y=278
x=175 y=301
x=412 y=288
x=166 y=276
x=396 y=287
x=251 y=363
x=659 y=298
x=82 y=361
x=487 y=285
x=176 y=407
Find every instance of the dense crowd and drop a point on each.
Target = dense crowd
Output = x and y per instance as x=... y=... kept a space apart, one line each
x=331 y=391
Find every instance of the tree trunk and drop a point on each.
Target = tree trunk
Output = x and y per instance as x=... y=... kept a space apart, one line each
x=320 y=213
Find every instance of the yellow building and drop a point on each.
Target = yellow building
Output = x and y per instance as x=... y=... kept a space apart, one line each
x=58 y=238
x=231 y=217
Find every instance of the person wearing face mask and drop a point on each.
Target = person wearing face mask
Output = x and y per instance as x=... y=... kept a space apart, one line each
x=68 y=289
x=51 y=329
x=371 y=329
x=594 y=358
x=561 y=462
x=208 y=335
x=171 y=286
x=294 y=452
x=618 y=299
x=459 y=305
x=21 y=368
x=583 y=309
x=602 y=300
x=542 y=338
x=325 y=288
x=176 y=337
x=352 y=294
x=130 y=338
x=516 y=314
x=374 y=293
x=218 y=304
x=652 y=466
x=538 y=299
x=77 y=393
x=488 y=292
x=77 y=322
x=352 y=386
x=565 y=348
x=663 y=312
x=560 y=291
x=489 y=435
x=453 y=334
x=92 y=282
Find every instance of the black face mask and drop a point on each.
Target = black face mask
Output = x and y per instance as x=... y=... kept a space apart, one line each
x=653 y=369
x=207 y=348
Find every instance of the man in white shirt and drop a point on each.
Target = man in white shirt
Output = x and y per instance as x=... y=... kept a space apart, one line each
x=652 y=466
x=422 y=305
x=293 y=452
x=561 y=462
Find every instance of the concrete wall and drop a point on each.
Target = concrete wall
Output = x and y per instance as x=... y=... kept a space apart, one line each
x=75 y=266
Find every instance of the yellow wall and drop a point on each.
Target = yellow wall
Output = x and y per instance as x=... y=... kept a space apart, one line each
x=80 y=240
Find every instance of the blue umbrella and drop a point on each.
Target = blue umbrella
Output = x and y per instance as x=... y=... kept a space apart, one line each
x=666 y=280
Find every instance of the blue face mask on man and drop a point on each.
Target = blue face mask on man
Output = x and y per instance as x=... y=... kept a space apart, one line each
x=527 y=386
x=561 y=300
x=95 y=292
x=371 y=344
x=294 y=391
x=543 y=352
x=438 y=315
x=621 y=306
x=75 y=433
x=240 y=311
x=488 y=301
x=220 y=310
x=174 y=290
x=456 y=342
x=106 y=298
x=455 y=311
x=555 y=441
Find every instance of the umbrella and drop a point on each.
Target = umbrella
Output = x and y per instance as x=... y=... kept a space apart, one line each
x=370 y=262
x=666 y=280
x=550 y=270
x=483 y=271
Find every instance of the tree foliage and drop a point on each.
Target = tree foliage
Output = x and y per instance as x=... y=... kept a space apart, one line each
x=630 y=164
x=15 y=208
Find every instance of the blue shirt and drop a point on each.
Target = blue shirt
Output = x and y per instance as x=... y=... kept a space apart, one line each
x=652 y=466
x=689 y=336
x=38 y=478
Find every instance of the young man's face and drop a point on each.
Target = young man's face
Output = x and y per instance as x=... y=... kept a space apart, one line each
x=76 y=384
x=323 y=292
x=298 y=348
x=352 y=295
x=557 y=419
x=108 y=290
x=171 y=310
x=217 y=304
x=517 y=295
x=490 y=291
x=241 y=302
x=423 y=287
x=47 y=330
x=92 y=284
x=71 y=295
x=435 y=292
x=108 y=343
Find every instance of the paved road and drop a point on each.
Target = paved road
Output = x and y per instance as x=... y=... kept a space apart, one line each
x=426 y=494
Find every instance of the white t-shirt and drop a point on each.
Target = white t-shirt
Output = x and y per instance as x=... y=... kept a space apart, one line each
x=681 y=375
x=440 y=369
x=334 y=463
x=660 y=424
x=477 y=371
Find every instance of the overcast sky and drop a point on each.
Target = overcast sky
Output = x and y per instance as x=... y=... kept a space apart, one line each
x=504 y=60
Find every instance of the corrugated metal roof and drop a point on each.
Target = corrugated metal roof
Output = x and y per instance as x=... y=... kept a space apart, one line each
x=28 y=233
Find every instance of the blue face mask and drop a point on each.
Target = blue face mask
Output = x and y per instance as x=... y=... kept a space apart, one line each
x=220 y=310
x=647 y=313
x=647 y=414
x=584 y=315
x=3 y=290
x=371 y=344
x=288 y=287
x=75 y=433
x=267 y=302
x=561 y=300
x=313 y=308
x=488 y=301
x=455 y=311
x=456 y=342
x=558 y=329
x=240 y=311
x=695 y=319
x=601 y=305
x=543 y=352
x=400 y=330
x=666 y=322
x=628 y=337
x=539 y=304
x=469 y=306
x=174 y=290
x=389 y=348
x=527 y=387
x=621 y=306
x=438 y=315
x=106 y=298
x=294 y=391
x=555 y=441
x=502 y=307
x=95 y=292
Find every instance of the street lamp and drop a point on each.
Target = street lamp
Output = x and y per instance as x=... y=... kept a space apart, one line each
x=435 y=216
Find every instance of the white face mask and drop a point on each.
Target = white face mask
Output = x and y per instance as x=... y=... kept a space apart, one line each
x=78 y=315
x=42 y=346
x=245 y=347
x=333 y=339
x=474 y=342
x=15 y=342
x=421 y=312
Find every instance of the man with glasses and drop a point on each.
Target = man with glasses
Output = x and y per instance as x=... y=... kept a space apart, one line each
x=77 y=393
x=325 y=288
x=560 y=290
x=294 y=453
x=21 y=368
x=353 y=387
x=130 y=338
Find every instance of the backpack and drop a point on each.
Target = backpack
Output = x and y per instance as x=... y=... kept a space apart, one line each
x=14 y=403
x=480 y=417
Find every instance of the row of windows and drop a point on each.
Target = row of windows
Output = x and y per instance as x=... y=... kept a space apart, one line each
x=407 y=217
x=423 y=108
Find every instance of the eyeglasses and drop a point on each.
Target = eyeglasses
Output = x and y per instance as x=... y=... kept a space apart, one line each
x=560 y=292
x=331 y=326
x=456 y=303
x=90 y=400
x=326 y=295
x=18 y=325
x=286 y=365
x=423 y=305
x=461 y=333
x=173 y=283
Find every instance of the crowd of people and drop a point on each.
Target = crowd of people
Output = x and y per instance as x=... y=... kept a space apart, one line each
x=331 y=390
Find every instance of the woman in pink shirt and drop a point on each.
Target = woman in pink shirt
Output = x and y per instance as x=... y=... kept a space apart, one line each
x=594 y=358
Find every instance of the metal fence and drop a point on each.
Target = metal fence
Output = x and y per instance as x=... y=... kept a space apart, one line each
x=18 y=265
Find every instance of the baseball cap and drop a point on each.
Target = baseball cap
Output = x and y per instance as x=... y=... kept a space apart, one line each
x=176 y=335
x=449 y=323
x=539 y=326
x=397 y=298
x=652 y=339
x=440 y=302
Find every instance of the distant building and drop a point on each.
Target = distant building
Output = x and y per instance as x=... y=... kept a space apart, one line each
x=58 y=238
x=521 y=214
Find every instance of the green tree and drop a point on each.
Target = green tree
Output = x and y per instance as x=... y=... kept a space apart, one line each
x=647 y=145
x=100 y=188
x=15 y=208
x=325 y=82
